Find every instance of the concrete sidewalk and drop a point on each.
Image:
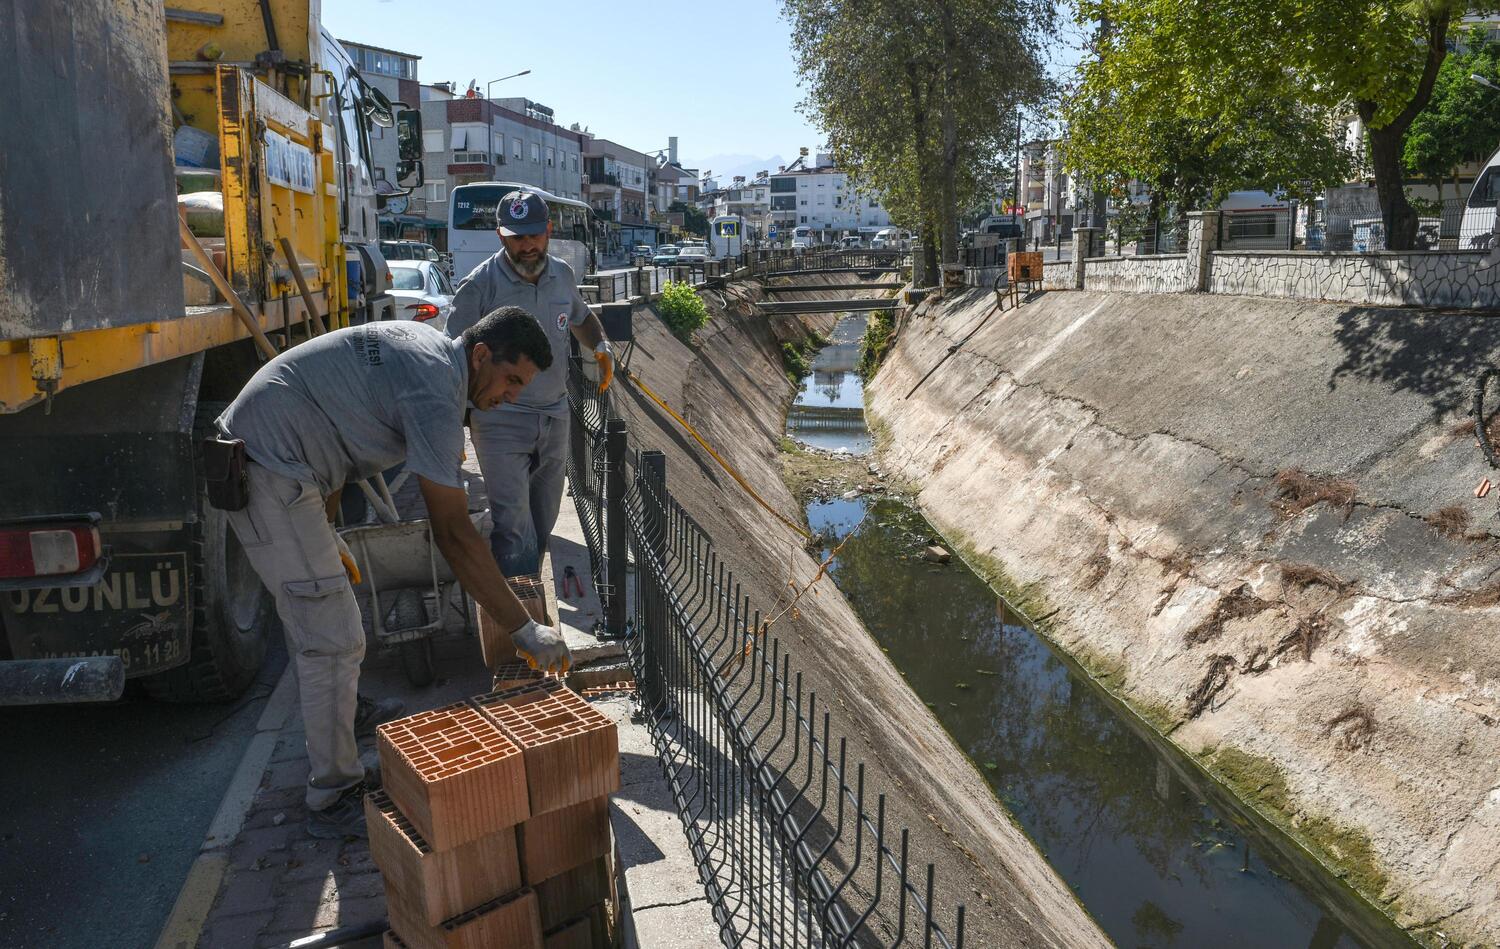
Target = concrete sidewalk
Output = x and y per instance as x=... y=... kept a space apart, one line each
x=262 y=882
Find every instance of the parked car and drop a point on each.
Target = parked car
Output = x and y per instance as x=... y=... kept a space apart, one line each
x=850 y=242
x=666 y=255
x=694 y=255
x=422 y=292
x=408 y=250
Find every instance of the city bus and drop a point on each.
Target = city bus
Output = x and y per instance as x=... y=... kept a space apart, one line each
x=471 y=227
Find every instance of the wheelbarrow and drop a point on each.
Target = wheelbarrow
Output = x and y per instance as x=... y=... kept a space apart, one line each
x=402 y=572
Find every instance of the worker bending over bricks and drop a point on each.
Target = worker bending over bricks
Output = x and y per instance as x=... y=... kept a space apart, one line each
x=339 y=408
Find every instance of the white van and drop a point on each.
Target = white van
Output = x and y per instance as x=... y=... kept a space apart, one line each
x=890 y=238
x=1477 y=229
x=802 y=237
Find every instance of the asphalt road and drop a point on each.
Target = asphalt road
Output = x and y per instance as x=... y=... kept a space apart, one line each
x=103 y=808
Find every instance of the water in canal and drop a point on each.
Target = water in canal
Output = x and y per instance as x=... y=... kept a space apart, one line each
x=828 y=412
x=1149 y=854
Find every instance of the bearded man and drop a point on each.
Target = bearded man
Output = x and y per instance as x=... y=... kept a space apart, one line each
x=521 y=445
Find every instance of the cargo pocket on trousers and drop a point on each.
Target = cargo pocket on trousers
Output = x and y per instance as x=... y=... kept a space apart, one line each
x=325 y=617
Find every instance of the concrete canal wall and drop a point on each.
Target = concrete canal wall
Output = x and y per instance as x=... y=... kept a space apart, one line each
x=1254 y=521
x=731 y=386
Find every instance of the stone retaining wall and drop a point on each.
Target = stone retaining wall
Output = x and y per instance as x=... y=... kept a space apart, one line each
x=1390 y=278
x=1166 y=273
x=1057 y=275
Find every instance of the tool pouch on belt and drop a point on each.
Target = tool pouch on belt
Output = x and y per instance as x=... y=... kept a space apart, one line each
x=224 y=471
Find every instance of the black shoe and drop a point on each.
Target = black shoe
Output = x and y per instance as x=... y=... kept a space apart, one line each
x=345 y=817
x=368 y=714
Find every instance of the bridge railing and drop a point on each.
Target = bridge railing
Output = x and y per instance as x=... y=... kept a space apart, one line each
x=793 y=846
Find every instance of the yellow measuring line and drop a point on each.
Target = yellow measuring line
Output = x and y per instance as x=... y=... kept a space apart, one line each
x=710 y=449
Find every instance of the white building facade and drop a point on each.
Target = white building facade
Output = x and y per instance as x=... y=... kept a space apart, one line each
x=823 y=199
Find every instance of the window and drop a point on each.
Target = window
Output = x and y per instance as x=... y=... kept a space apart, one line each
x=573 y=162
x=803 y=220
x=516 y=149
x=436 y=192
x=1486 y=189
x=1258 y=224
x=460 y=139
x=782 y=185
x=551 y=157
x=802 y=202
x=874 y=203
x=432 y=140
x=536 y=153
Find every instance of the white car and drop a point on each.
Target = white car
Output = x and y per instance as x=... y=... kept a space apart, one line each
x=422 y=292
x=692 y=255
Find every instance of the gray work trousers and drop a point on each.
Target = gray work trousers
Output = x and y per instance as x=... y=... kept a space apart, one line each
x=285 y=532
x=522 y=456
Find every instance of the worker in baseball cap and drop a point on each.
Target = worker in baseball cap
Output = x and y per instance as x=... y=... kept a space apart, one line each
x=522 y=445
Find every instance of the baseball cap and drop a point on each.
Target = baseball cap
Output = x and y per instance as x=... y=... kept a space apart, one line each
x=521 y=214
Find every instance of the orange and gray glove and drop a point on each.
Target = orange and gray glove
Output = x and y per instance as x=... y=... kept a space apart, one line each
x=605 y=357
x=347 y=556
x=542 y=647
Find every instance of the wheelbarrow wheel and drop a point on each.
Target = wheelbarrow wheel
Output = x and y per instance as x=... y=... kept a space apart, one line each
x=409 y=612
x=416 y=661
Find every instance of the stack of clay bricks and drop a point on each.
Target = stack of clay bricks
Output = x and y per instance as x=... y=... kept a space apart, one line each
x=494 y=638
x=492 y=829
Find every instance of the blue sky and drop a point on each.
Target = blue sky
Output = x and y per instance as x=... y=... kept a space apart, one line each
x=634 y=73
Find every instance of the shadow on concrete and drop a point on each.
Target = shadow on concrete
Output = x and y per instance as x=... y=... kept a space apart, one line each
x=670 y=429
x=1434 y=354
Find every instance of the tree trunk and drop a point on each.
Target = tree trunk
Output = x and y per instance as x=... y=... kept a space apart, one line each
x=949 y=165
x=930 y=255
x=1389 y=141
x=1386 y=145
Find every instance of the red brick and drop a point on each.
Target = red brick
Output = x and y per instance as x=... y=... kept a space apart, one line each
x=560 y=840
x=454 y=774
x=572 y=749
x=510 y=922
x=577 y=891
x=439 y=884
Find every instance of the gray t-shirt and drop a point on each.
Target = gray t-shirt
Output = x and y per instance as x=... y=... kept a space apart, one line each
x=555 y=303
x=356 y=401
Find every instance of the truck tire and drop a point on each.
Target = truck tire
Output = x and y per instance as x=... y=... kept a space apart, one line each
x=231 y=613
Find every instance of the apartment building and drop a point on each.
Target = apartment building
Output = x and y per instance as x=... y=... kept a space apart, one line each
x=822 y=198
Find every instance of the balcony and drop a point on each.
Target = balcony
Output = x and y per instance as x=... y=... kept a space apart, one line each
x=474 y=163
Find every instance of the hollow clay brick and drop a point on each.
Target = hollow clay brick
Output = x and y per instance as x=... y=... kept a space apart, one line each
x=495 y=644
x=439 y=884
x=572 y=749
x=509 y=675
x=560 y=840
x=577 y=891
x=453 y=774
x=577 y=934
x=511 y=922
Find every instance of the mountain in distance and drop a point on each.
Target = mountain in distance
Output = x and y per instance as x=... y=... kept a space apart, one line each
x=725 y=167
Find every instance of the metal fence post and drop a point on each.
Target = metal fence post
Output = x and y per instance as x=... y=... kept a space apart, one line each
x=615 y=556
x=653 y=475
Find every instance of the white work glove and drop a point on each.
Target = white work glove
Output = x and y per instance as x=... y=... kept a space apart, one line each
x=347 y=556
x=542 y=647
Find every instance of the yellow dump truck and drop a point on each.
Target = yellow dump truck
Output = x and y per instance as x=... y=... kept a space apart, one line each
x=183 y=190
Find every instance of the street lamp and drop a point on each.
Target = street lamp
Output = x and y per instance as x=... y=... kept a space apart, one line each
x=524 y=72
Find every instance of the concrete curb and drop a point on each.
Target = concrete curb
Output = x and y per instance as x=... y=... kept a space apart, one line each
x=185 y=923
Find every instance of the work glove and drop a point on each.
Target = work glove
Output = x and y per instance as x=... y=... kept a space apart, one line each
x=605 y=358
x=542 y=647
x=350 y=567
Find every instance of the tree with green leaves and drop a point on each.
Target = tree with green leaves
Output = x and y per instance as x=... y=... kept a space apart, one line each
x=694 y=221
x=918 y=99
x=1461 y=123
x=1204 y=67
